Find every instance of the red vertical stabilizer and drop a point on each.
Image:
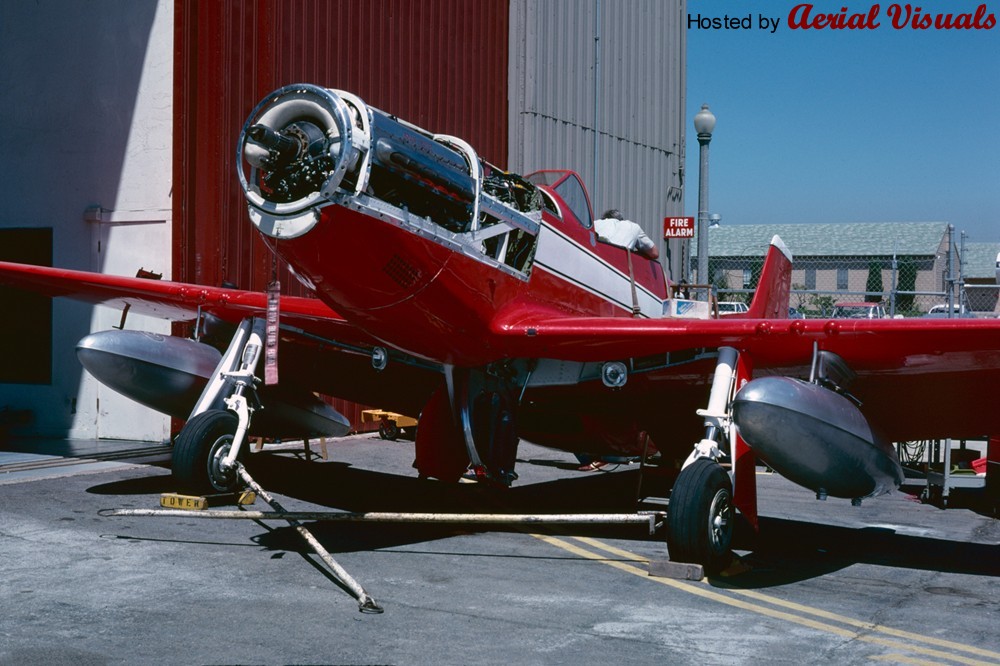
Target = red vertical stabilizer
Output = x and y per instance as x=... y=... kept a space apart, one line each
x=770 y=301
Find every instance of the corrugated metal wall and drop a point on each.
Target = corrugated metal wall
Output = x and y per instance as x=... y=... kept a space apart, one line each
x=441 y=64
x=598 y=86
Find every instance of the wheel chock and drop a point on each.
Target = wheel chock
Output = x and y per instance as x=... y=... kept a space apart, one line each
x=679 y=570
x=186 y=502
x=247 y=497
x=202 y=502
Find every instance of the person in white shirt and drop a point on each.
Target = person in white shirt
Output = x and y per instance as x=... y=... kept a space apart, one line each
x=615 y=229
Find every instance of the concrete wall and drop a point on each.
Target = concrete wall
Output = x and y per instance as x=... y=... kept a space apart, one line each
x=86 y=122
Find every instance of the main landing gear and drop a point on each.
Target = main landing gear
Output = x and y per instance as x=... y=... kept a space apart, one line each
x=484 y=403
x=701 y=513
x=200 y=451
x=700 y=516
x=211 y=442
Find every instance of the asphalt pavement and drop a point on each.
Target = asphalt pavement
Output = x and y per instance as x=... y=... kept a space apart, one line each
x=891 y=581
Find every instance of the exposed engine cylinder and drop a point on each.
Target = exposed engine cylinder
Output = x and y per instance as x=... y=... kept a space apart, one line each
x=303 y=145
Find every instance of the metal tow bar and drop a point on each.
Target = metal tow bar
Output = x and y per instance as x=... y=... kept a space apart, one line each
x=652 y=518
x=366 y=603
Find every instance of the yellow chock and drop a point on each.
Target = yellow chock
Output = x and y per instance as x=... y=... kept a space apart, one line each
x=187 y=502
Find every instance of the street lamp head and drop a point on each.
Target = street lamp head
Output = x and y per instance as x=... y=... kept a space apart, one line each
x=704 y=122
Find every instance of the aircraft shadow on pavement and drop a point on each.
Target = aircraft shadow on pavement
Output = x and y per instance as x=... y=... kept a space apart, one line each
x=358 y=490
x=143 y=485
x=341 y=487
x=785 y=550
x=790 y=550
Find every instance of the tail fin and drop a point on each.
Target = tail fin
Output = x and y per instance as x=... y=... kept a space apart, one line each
x=770 y=301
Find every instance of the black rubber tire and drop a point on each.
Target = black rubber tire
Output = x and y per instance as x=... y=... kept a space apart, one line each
x=701 y=517
x=389 y=431
x=201 y=444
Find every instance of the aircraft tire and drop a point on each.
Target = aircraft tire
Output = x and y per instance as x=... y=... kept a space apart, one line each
x=200 y=447
x=701 y=517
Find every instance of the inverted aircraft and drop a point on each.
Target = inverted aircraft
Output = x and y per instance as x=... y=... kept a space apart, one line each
x=487 y=303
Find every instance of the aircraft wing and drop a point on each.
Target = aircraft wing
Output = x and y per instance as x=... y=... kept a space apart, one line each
x=175 y=301
x=916 y=378
x=316 y=342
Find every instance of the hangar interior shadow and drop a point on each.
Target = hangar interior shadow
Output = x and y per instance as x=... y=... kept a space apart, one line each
x=785 y=550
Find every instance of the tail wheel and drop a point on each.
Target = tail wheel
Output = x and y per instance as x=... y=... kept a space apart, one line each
x=700 y=516
x=199 y=450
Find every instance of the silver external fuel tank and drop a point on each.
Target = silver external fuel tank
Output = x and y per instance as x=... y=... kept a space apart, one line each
x=167 y=373
x=815 y=437
x=163 y=372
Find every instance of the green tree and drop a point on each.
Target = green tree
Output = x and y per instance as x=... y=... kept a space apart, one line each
x=906 y=270
x=874 y=283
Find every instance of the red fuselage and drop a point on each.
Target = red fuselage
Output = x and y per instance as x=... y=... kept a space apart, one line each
x=423 y=297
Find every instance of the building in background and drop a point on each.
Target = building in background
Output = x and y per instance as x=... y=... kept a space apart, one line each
x=981 y=271
x=87 y=126
x=905 y=265
x=122 y=120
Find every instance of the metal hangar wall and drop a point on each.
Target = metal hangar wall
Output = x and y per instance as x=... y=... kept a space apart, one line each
x=440 y=64
x=154 y=114
x=600 y=87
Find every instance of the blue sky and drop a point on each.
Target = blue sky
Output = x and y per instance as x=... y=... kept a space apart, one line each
x=828 y=125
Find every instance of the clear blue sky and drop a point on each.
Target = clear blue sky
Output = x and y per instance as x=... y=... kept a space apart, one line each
x=828 y=125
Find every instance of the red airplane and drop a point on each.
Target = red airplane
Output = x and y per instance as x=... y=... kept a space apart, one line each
x=486 y=302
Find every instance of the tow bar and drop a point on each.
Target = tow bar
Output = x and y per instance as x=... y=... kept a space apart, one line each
x=366 y=603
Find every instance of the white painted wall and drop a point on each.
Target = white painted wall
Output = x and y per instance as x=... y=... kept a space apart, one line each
x=87 y=120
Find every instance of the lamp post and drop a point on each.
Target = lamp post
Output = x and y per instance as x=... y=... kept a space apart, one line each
x=704 y=123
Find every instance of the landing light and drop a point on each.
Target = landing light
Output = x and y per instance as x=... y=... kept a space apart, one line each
x=380 y=358
x=614 y=374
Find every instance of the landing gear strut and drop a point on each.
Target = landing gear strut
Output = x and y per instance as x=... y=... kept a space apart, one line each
x=701 y=513
x=484 y=402
x=207 y=448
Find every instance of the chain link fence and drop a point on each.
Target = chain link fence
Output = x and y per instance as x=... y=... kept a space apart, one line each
x=867 y=286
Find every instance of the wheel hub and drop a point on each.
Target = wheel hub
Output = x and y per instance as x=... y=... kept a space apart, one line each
x=720 y=515
x=220 y=477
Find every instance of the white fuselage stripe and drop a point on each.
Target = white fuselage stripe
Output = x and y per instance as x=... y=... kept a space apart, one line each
x=568 y=260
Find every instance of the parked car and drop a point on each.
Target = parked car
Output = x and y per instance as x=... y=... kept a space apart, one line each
x=858 y=311
x=795 y=314
x=941 y=312
x=732 y=307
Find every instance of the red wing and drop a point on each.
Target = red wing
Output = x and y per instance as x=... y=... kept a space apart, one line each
x=319 y=349
x=917 y=378
x=177 y=301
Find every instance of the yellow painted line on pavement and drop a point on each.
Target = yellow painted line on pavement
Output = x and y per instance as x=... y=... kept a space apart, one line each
x=706 y=592
x=801 y=608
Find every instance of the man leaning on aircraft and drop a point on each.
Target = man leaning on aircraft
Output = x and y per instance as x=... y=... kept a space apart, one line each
x=615 y=229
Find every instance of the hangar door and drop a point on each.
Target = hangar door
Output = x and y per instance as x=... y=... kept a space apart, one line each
x=441 y=64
